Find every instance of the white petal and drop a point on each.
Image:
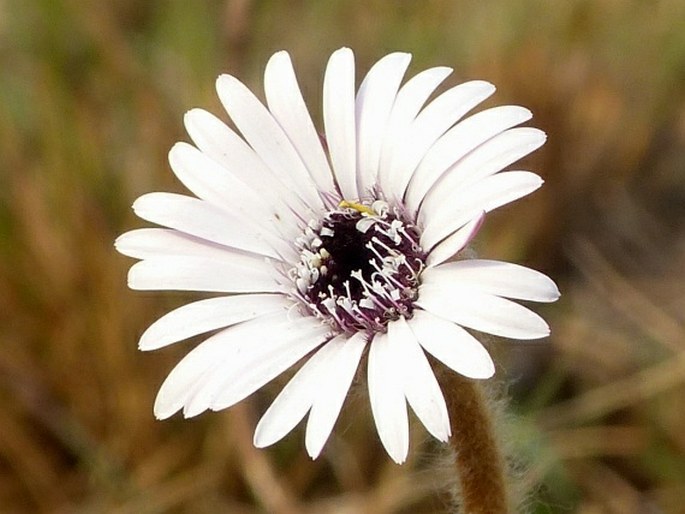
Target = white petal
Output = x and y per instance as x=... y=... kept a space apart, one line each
x=457 y=142
x=147 y=243
x=489 y=158
x=442 y=219
x=174 y=390
x=483 y=312
x=252 y=362
x=273 y=356
x=494 y=277
x=212 y=183
x=232 y=274
x=452 y=345
x=204 y=220
x=287 y=106
x=456 y=242
x=410 y=98
x=374 y=102
x=209 y=314
x=418 y=380
x=339 y=120
x=266 y=136
x=436 y=118
x=218 y=141
x=177 y=387
x=332 y=391
x=388 y=404
x=296 y=398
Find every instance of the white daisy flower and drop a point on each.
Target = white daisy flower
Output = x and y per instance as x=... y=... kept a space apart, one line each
x=326 y=248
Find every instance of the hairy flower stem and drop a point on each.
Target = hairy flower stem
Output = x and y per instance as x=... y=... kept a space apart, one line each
x=480 y=467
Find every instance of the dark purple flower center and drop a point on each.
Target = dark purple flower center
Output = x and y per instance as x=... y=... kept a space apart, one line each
x=359 y=267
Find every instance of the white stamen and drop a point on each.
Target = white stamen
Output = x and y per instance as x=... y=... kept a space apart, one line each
x=364 y=224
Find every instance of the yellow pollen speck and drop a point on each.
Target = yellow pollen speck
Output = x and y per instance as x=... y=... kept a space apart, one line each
x=357 y=207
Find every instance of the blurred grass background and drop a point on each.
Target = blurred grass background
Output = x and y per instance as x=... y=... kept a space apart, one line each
x=92 y=94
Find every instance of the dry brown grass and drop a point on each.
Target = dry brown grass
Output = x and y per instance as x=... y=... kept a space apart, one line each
x=91 y=98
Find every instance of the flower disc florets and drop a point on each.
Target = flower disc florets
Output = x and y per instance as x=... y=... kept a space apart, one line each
x=359 y=266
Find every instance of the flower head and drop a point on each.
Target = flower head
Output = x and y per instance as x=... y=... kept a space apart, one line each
x=326 y=249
